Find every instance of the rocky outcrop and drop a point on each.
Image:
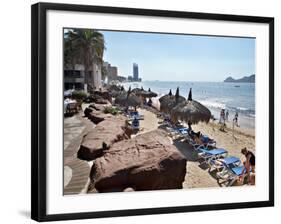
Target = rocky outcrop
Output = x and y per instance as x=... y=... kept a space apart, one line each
x=99 y=107
x=96 y=98
x=94 y=144
x=146 y=162
x=104 y=94
x=250 y=79
x=98 y=116
x=87 y=111
x=101 y=101
x=95 y=113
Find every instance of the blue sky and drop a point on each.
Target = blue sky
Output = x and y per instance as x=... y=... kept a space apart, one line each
x=171 y=57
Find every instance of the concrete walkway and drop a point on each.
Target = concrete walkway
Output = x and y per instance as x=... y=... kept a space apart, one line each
x=76 y=171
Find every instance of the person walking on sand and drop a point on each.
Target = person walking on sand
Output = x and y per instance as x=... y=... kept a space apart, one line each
x=249 y=165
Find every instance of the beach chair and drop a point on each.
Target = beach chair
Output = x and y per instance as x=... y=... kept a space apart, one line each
x=135 y=115
x=196 y=146
x=71 y=108
x=213 y=154
x=205 y=141
x=183 y=131
x=231 y=175
x=208 y=141
x=224 y=163
x=135 y=124
x=173 y=132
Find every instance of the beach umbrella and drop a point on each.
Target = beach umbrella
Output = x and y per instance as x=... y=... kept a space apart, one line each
x=169 y=102
x=115 y=90
x=167 y=96
x=114 y=87
x=137 y=91
x=128 y=99
x=148 y=94
x=191 y=111
x=116 y=93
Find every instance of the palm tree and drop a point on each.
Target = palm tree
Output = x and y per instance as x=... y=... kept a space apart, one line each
x=85 y=46
x=69 y=52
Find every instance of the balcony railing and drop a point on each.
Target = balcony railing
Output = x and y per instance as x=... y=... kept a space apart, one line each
x=73 y=80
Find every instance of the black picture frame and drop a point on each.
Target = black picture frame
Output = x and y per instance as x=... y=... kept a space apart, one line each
x=38 y=109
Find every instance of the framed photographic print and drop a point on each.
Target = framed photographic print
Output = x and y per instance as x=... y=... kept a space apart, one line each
x=140 y=111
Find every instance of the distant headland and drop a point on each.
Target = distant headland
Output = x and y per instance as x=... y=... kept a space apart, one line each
x=250 y=78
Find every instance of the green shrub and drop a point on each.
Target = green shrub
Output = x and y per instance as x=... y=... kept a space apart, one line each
x=79 y=95
x=111 y=110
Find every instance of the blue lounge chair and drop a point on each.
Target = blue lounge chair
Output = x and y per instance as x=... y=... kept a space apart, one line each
x=231 y=175
x=208 y=141
x=135 y=114
x=135 y=124
x=183 y=131
x=224 y=163
x=212 y=154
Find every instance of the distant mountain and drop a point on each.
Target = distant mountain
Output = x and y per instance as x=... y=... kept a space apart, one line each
x=250 y=78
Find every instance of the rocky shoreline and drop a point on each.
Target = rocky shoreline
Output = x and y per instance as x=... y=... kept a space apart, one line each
x=120 y=160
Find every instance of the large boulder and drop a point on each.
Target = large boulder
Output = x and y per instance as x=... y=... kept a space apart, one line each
x=101 y=101
x=98 y=116
x=99 y=107
x=95 y=113
x=104 y=94
x=146 y=162
x=102 y=137
x=87 y=111
x=95 y=98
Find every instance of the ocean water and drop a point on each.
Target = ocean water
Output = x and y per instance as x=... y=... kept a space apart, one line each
x=234 y=97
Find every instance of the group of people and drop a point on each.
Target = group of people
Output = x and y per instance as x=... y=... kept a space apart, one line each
x=250 y=159
x=224 y=116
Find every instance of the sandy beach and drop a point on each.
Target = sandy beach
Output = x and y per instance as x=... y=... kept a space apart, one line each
x=197 y=175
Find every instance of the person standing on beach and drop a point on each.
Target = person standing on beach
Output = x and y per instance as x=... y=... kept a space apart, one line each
x=226 y=115
x=222 y=120
x=235 y=120
x=221 y=114
x=249 y=164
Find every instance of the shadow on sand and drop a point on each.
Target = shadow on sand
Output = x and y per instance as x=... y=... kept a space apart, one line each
x=192 y=156
x=186 y=150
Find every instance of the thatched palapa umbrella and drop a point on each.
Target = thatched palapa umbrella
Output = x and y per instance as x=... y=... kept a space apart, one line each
x=149 y=94
x=137 y=91
x=114 y=87
x=128 y=99
x=170 y=102
x=191 y=111
x=115 y=90
x=165 y=97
